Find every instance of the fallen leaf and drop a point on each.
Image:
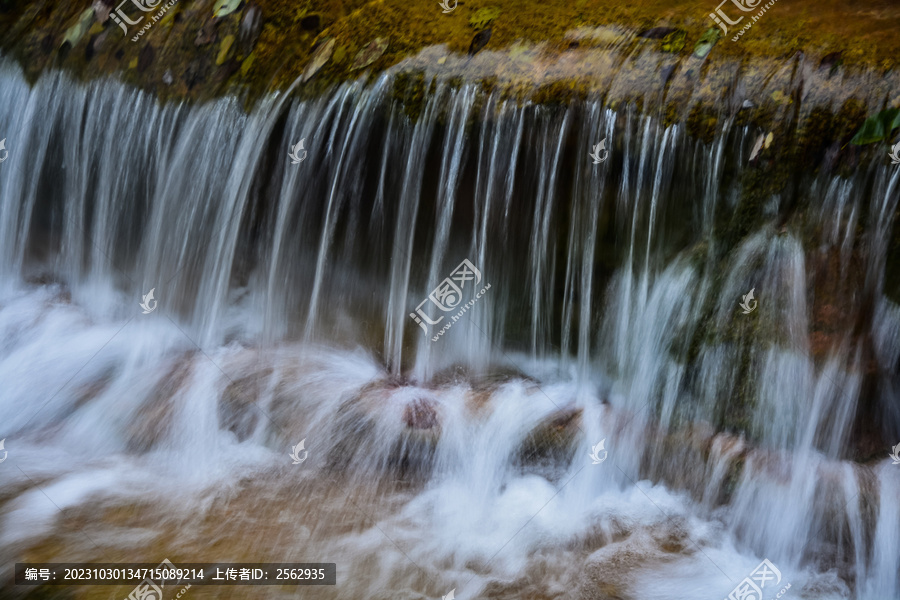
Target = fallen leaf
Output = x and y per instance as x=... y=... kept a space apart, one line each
x=77 y=31
x=225 y=7
x=370 y=53
x=318 y=59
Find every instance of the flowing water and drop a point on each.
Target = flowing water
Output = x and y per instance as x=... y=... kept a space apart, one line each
x=284 y=297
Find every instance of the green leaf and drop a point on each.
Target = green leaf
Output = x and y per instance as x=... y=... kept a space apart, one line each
x=706 y=42
x=225 y=7
x=77 y=31
x=225 y=49
x=877 y=127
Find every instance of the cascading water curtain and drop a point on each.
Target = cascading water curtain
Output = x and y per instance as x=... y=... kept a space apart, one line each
x=476 y=343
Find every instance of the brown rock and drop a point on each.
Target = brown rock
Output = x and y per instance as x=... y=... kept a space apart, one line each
x=420 y=414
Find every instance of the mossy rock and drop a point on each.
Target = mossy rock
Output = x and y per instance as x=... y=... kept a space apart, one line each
x=483 y=17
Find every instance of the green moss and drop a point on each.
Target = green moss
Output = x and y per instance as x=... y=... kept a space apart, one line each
x=562 y=92
x=674 y=42
x=484 y=17
x=409 y=92
x=291 y=28
x=701 y=122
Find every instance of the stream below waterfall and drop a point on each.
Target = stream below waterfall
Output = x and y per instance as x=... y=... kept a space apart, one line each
x=293 y=301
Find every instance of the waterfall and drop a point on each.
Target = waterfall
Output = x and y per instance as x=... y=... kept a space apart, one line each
x=285 y=293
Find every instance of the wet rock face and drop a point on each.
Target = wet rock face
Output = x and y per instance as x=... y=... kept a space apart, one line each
x=551 y=443
x=420 y=414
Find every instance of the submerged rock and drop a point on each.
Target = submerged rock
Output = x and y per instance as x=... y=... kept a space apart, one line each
x=552 y=442
x=420 y=414
x=238 y=411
